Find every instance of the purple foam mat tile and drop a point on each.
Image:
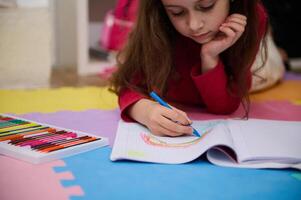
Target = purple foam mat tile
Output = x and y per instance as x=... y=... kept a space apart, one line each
x=97 y=122
x=292 y=76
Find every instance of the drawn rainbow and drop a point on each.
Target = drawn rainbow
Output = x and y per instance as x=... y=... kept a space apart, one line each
x=155 y=141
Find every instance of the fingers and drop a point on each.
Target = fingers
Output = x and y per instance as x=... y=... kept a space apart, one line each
x=230 y=34
x=236 y=22
x=182 y=113
x=234 y=27
x=173 y=131
x=170 y=122
x=241 y=19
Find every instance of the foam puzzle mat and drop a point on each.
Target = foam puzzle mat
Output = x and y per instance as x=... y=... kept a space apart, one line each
x=92 y=175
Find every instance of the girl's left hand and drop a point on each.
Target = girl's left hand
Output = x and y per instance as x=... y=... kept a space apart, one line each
x=230 y=32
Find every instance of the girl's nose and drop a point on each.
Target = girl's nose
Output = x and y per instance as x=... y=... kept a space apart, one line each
x=195 y=23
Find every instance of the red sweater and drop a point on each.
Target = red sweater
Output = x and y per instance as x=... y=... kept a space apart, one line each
x=207 y=90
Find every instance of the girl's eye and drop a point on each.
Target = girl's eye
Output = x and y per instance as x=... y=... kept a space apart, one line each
x=205 y=8
x=176 y=14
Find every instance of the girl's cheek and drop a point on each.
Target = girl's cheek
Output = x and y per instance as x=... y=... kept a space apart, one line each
x=181 y=27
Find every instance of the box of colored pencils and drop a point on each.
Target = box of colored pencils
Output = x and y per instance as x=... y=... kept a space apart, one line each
x=36 y=143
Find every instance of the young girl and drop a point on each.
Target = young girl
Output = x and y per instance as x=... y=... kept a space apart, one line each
x=195 y=52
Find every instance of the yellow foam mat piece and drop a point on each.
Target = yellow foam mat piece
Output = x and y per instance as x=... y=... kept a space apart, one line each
x=298 y=102
x=78 y=99
x=52 y=100
x=287 y=90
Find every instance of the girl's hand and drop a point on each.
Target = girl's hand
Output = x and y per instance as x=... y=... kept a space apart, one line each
x=230 y=32
x=160 y=120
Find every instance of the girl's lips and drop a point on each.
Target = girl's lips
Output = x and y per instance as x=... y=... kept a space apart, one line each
x=201 y=36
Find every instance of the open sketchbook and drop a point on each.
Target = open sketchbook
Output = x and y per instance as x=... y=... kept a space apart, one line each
x=249 y=143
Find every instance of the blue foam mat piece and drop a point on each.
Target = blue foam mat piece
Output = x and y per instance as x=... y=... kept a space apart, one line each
x=101 y=178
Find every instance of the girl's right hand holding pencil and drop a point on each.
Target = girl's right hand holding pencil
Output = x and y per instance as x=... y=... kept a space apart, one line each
x=161 y=120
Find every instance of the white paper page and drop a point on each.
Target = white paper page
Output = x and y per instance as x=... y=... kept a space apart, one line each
x=134 y=142
x=218 y=158
x=275 y=141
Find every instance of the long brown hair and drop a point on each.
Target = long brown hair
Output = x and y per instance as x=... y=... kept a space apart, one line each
x=148 y=56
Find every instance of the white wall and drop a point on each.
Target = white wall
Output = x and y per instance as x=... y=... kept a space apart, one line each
x=33 y=3
x=25 y=47
x=65 y=33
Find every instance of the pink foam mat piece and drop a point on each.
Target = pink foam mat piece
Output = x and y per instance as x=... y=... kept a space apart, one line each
x=36 y=182
x=274 y=110
x=21 y=180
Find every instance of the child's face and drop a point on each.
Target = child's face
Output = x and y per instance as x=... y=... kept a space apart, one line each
x=197 y=19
